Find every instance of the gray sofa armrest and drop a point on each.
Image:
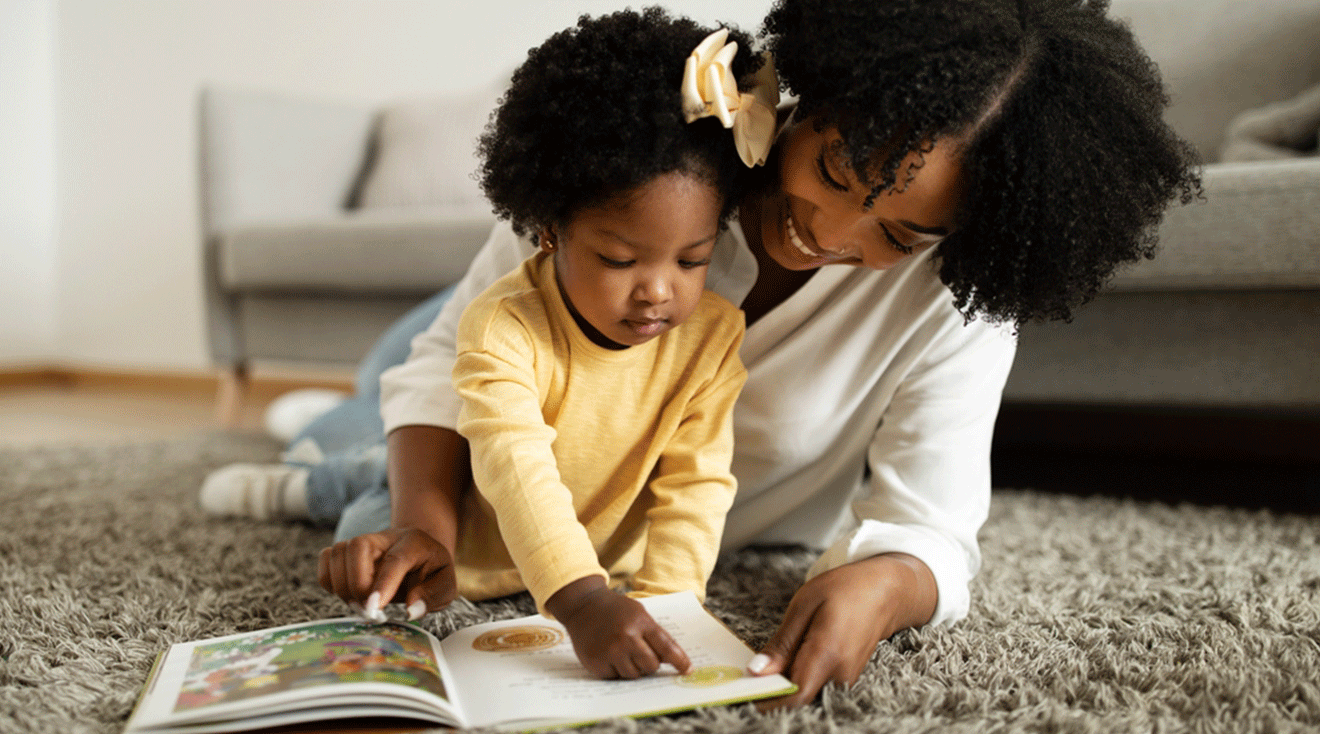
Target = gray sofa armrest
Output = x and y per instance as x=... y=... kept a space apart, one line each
x=1258 y=227
x=369 y=251
x=268 y=157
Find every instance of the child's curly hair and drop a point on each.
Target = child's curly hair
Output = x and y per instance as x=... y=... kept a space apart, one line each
x=597 y=111
x=1068 y=162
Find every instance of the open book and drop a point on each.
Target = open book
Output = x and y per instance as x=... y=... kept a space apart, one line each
x=514 y=674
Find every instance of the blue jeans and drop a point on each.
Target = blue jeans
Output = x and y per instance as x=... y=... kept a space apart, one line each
x=348 y=489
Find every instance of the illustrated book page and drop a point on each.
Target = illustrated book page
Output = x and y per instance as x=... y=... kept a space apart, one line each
x=523 y=674
x=315 y=671
x=516 y=674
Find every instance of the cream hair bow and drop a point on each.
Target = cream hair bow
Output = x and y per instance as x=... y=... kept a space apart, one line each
x=709 y=89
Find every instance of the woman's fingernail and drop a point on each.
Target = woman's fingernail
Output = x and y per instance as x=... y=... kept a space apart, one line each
x=416 y=610
x=758 y=663
x=373 y=604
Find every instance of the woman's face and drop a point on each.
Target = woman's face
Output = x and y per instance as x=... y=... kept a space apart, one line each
x=818 y=216
x=636 y=267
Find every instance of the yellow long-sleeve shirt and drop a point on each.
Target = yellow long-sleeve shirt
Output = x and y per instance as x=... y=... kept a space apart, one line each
x=587 y=460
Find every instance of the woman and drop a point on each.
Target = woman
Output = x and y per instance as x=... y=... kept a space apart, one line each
x=952 y=169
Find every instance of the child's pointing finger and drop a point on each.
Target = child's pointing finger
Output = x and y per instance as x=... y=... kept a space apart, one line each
x=667 y=649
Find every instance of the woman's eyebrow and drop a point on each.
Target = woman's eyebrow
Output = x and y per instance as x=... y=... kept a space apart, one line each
x=920 y=229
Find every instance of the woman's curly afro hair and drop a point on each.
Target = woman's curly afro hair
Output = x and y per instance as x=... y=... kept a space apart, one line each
x=597 y=111
x=1068 y=163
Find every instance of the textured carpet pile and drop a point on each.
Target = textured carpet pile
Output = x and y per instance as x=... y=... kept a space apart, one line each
x=1090 y=614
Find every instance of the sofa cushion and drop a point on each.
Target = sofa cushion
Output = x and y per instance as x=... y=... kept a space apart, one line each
x=1279 y=130
x=1244 y=349
x=417 y=252
x=1256 y=228
x=1221 y=57
x=425 y=153
x=268 y=156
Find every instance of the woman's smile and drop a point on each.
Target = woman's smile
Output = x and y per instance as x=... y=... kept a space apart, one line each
x=813 y=253
x=823 y=214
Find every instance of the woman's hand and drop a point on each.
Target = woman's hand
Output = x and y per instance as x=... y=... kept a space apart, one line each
x=836 y=619
x=411 y=564
x=613 y=636
x=404 y=565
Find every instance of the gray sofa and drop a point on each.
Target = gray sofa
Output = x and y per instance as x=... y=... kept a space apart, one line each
x=1227 y=315
x=313 y=238
x=324 y=222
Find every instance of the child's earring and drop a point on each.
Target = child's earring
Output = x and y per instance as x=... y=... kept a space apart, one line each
x=547 y=240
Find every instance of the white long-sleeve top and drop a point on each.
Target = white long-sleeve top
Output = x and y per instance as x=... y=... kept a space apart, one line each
x=864 y=426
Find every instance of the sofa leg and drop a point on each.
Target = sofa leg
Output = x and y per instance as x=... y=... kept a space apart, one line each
x=230 y=396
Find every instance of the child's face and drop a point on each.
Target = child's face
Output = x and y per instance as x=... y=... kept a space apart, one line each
x=635 y=267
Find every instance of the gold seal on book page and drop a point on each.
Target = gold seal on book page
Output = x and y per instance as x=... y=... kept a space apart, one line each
x=518 y=639
x=710 y=675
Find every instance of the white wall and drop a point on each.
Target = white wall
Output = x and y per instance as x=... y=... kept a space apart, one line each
x=27 y=180
x=120 y=254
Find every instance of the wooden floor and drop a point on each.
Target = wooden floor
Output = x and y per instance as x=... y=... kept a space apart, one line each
x=97 y=408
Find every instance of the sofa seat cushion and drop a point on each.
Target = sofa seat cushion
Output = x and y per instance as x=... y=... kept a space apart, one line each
x=1238 y=349
x=378 y=251
x=1257 y=227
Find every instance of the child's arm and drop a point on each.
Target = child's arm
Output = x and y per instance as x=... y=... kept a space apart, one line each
x=514 y=467
x=693 y=487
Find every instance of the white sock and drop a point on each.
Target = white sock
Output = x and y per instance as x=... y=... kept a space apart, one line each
x=294 y=494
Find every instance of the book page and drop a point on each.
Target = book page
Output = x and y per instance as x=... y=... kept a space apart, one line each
x=343 y=662
x=522 y=673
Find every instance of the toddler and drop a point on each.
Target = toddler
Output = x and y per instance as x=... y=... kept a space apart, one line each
x=598 y=379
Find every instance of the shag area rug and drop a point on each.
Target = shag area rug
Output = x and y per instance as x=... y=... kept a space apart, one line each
x=1091 y=614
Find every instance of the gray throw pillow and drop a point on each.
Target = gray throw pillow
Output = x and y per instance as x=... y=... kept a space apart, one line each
x=425 y=153
x=1275 y=131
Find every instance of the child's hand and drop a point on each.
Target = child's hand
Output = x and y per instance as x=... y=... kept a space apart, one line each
x=613 y=636
x=401 y=565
